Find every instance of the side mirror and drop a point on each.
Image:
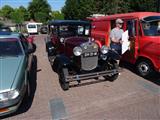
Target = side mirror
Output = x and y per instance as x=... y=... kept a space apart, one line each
x=31 y=49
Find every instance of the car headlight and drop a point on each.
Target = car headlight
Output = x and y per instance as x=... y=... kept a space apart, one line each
x=77 y=51
x=61 y=40
x=104 y=49
x=10 y=95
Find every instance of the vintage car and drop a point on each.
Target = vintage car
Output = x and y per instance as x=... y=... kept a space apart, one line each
x=75 y=56
x=15 y=64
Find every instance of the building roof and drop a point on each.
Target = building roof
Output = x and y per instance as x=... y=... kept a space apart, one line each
x=139 y=15
x=68 y=22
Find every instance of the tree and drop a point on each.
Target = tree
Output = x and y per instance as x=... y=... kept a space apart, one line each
x=24 y=12
x=17 y=16
x=39 y=10
x=143 y=5
x=6 y=11
x=78 y=9
x=56 y=15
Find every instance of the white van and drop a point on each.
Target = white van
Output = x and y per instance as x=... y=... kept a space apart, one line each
x=33 y=28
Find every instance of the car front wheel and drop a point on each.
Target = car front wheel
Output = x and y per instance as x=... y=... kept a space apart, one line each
x=113 y=76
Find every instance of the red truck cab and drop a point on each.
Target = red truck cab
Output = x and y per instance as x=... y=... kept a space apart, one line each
x=144 y=37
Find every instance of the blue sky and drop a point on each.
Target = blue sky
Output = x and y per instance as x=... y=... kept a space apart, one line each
x=55 y=4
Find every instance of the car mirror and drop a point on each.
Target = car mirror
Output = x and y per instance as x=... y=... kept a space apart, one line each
x=31 y=49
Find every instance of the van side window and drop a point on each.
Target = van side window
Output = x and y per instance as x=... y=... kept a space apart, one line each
x=113 y=24
x=131 y=27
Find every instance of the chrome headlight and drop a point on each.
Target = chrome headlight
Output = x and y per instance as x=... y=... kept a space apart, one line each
x=104 y=49
x=61 y=40
x=77 y=51
x=10 y=95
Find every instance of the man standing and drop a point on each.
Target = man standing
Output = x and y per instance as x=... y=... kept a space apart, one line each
x=116 y=37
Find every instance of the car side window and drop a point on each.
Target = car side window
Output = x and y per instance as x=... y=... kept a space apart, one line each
x=131 y=27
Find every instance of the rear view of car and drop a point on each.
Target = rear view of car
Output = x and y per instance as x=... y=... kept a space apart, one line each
x=32 y=28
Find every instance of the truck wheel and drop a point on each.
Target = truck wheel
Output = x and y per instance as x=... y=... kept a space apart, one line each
x=114 y=76
x=144 y=68
x=63 y=72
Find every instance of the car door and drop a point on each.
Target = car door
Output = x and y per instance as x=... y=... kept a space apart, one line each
x=28 y=57
x=132 y=26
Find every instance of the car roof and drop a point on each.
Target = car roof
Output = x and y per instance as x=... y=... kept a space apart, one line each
x=140 y=15
x=9 y=35
x=69 y=22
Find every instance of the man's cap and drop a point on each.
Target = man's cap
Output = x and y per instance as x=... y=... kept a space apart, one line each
x=119 y=21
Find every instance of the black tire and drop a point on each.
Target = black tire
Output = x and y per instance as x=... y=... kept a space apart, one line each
x=62 y=72
x=112 y=77
x=144 y=68
x=51 y=59
x=28 y=88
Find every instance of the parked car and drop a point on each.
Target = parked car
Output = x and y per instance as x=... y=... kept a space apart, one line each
x=75 y=56
x=44 y=30
x=5 y=29
x=144 y=36
x=33 y=28
x=15 y=63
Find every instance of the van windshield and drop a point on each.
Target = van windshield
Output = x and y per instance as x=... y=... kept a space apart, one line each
x=151 y=28
x=31 y=26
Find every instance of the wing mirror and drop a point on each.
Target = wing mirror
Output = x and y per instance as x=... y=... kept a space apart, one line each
x=31 y=49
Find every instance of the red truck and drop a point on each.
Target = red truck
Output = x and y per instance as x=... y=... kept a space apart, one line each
x=144 y=37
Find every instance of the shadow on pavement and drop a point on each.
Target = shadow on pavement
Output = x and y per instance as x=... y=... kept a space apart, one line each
x=155 y=79
x=26 y=103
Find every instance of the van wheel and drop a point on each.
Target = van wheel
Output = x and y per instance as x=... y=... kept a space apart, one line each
x=63 y=72
x=144 y=68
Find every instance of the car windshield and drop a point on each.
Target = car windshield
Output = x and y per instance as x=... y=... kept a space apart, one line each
x=70 y=30
x=10 y=47
x=151 y=28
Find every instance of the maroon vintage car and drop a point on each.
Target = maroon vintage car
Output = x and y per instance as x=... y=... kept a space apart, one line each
x=75 y=56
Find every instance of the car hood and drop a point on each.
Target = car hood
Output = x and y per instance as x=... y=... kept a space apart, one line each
x=75 y=41
x=9 y=67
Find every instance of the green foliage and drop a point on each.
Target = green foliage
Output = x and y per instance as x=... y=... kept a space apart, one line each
x=56 y=15
x=24 y=13
x=17 y=16
x=6 y=11
x=37 y=8
x=80 y=9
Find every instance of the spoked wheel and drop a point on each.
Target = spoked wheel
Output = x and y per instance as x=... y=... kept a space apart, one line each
x=63 y=72
x=113 y=76
x=144 y=68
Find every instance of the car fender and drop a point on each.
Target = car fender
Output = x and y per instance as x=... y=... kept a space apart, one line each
x=114 y=55
x=61 y=61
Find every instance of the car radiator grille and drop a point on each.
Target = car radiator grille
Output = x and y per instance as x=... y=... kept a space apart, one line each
x=89 y=58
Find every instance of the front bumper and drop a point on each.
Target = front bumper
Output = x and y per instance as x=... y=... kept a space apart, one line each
x=87 y=76
x=10 y=109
